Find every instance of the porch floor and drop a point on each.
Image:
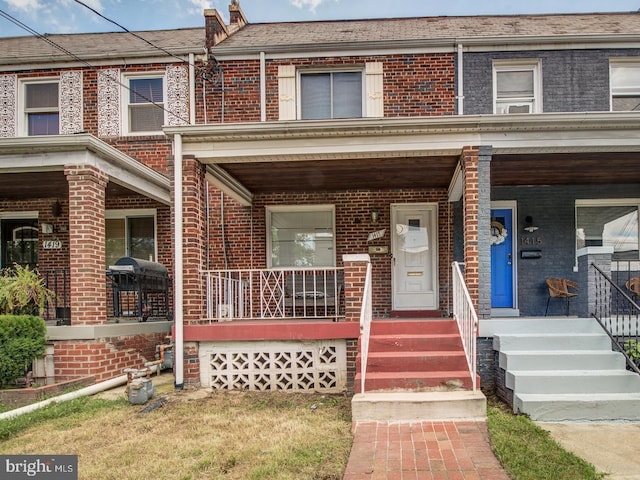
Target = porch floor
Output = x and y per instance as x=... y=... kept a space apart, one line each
x=422 y=450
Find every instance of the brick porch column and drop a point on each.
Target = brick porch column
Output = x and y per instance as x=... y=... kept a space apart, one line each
x=476 y=226
x=355 y=271
x=87 y=187
x=193 y=255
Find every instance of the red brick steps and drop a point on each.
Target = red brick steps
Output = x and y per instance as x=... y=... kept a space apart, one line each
x=414 y=354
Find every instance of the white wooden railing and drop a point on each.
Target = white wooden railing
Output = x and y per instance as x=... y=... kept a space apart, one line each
x=366 y=314
x=252 y=294
x=467 y=320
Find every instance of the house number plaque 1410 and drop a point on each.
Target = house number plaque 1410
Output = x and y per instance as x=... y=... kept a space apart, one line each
x=51 y=244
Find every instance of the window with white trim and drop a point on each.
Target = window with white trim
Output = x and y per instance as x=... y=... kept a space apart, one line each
x=625 y=86
x=41 y=107
x=130 y=234
x=144 y=104
x=609 y=223
x=330 y=95
x=345 y=92
x=516 y=87
x=301 y=236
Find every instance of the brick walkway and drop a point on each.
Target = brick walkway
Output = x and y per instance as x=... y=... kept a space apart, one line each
x=422 y=450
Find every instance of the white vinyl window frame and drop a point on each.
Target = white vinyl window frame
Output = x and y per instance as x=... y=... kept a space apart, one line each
x=607 y=202
x=630 y=87
x=125 y=215
x=302 y=73
x=25 y=111
x=372 y=88
x=518 y=104
x=323 y=208
x=126 y=103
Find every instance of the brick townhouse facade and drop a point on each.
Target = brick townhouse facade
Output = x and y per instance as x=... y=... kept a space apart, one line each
x=288 y=148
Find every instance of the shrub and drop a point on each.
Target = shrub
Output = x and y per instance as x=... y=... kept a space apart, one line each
x=22 y=291
x=22 y=339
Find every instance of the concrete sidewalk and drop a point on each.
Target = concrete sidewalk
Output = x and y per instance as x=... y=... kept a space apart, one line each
x=613 y=448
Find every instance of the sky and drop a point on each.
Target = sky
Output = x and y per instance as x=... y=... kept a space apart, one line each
x=71 y=16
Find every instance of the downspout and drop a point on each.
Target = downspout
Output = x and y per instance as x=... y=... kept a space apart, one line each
x=178 y=303
x=263 y=88
x=460 y=95
x=192 y=89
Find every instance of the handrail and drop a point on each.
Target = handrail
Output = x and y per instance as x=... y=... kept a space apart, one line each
x=467 y=320
x=618 y=315
x=366 y=314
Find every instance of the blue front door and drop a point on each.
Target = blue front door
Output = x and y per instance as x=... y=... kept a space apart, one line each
x=502 y=258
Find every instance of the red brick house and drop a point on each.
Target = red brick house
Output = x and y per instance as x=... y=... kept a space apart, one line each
x=305 y=152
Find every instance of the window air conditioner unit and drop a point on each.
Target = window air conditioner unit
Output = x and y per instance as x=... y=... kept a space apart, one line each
x=515 y=108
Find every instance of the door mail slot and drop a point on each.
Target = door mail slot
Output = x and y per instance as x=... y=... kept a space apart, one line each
x=531 y=254
x=415 y=274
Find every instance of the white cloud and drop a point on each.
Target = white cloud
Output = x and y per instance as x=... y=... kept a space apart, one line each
x=26 y=5
x=310 y=4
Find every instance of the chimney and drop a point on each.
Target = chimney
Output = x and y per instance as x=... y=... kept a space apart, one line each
x=237 y=20
x=215 y=29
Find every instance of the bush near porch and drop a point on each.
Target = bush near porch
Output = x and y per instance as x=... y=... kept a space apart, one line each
x=22 y=339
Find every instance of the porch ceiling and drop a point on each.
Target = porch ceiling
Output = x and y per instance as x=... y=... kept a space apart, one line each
x=334 y=175
x=565 y=168
x=24 y=186
x=435 y=172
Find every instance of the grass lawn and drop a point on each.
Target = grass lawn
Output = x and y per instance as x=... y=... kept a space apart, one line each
x=248 y=436
x=527 y=452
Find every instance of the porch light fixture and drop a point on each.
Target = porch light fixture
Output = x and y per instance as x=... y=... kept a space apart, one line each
x=374 y=216
x=56 y=209
x=528 y=224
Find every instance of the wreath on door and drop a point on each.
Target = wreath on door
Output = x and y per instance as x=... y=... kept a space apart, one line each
x=498 y=233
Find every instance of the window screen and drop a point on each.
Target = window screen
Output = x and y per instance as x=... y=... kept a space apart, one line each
x=146 y=103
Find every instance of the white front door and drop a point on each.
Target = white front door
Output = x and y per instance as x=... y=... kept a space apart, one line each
x=415 y=256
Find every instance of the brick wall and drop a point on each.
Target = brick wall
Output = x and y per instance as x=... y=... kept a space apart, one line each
x=104 y=358
x=414 y=85
x=244 y=243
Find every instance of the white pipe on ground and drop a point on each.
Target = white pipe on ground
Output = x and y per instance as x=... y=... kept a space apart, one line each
x=83 y=392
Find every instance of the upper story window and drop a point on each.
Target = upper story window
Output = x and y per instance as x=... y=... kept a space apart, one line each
x=301 y=236
x=516 y=87
x=625 y=86
x=330 y=95
x=41 y=108
x=345 y=92
x=145 y=104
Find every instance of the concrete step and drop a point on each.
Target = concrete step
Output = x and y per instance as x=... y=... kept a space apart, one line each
x=602 y=407
x=415 y=342
x=376 y=381
x=551 y=341
x=572 y=381
x=415 y=361
x=414 y=326
x=561 y=360
x=416 y=406
x=496 y=326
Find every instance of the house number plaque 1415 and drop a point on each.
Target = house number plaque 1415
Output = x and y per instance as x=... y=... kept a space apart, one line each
x=530 y=241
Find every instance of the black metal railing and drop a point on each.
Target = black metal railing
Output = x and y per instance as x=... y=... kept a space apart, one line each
x=59 y=310
x=616 y=309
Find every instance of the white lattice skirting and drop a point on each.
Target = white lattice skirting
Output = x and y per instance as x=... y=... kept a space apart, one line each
x=318 y=366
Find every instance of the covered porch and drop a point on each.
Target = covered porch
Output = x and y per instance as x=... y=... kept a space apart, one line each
x=59 y=196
